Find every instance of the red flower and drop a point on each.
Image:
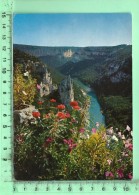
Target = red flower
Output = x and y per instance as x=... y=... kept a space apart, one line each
x=76 y=107
x=40 y=102
x=35 y=114
x=61 y=106
x=120 y=173
x=52 y=100
x=67 y=115
x=61 y=115
x=74 y=103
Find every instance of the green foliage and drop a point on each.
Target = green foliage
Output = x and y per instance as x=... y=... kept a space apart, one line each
x=118 y=110
x=24 y=90
x=88 y=160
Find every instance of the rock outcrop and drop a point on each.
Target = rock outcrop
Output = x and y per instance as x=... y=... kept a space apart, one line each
x=46 y=86
x=66 y=91
x=23 y=115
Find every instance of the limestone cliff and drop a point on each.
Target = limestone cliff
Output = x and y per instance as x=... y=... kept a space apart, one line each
x=46 y=86
x=66 y=91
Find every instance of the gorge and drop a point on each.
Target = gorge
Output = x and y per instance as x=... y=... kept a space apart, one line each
x=107 y=70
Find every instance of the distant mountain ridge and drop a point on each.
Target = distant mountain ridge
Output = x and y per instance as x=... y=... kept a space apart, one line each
x=92 y=65
x=56 y=56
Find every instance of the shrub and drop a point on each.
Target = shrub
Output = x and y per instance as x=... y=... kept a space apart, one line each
x=24 y=90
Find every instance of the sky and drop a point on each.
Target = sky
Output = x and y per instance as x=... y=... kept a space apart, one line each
x=72 y=29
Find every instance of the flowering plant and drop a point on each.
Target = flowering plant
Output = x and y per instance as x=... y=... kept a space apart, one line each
x=58 y=145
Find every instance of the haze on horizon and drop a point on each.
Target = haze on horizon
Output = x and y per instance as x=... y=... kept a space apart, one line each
x=77 y=30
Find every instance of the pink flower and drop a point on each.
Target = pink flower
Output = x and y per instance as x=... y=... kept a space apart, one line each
x=70 y=143
x=94 y=130
x=124 y=154
x=104 y=136
x=109 y=174
x=49 y=140
x=128 y=144
x=128 y=128
x=130 y=176
x=38 y=87
x=130 y=147
x=109 y=161
x=67 y=115
x=120 y=173
x=119 y=134
x=65 y=141
x=82 y=130
x=97 y=124
x=72 y=146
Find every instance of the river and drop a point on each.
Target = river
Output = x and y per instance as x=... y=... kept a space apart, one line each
x=95 y=111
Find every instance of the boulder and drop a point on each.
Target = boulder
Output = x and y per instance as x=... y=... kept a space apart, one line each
x=23 y=115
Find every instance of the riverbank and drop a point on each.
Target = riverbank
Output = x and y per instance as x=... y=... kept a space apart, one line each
x=95 y=110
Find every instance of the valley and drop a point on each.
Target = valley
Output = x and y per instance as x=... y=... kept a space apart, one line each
x=106 y=70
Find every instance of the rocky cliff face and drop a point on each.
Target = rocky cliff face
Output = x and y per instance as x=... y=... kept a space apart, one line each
x=116 y=81
x=66 y=91
x=46 y=85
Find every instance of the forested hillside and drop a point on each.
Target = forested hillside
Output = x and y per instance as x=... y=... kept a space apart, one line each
x=108 y=70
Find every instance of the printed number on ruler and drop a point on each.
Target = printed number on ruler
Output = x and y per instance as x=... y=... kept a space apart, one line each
x=76 y=186
x=6 y=71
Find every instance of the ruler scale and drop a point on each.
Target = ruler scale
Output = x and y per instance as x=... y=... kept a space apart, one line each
x=12 y=186
x=6 y=91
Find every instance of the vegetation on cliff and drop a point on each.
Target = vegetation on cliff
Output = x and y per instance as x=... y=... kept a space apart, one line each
x=55 y=143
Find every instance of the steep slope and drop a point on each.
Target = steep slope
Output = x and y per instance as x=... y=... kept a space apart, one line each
x=37 y=69
x=106 y=69
x=35 y=65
